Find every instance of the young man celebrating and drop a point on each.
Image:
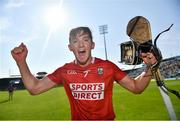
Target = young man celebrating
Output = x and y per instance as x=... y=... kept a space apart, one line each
x=88 y=81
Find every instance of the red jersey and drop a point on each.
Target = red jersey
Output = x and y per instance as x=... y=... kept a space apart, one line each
x=89 y=89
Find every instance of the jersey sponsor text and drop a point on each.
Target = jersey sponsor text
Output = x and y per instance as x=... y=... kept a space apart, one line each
x=87 y=91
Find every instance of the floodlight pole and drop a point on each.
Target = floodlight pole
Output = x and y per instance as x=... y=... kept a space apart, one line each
x=103 y=30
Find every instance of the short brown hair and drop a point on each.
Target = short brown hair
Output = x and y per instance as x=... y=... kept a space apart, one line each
x=75 y=31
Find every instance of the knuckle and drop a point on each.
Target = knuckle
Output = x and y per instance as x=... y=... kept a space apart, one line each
x=17 y=50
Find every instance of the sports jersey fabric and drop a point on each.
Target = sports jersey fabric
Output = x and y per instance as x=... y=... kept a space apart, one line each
x=89 y=89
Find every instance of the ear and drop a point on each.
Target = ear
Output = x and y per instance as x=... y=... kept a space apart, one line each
x=93 y=45
x=69 y=46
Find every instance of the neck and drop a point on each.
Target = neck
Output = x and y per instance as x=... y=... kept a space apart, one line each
x=89 y=61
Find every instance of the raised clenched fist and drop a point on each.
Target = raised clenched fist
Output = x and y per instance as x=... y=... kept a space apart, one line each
x=19 y=53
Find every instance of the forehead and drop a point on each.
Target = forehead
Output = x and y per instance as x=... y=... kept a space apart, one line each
x=82 y=35
x=79 y=35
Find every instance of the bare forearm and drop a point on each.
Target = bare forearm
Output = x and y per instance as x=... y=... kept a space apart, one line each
x=142 y=81
x=28 y=79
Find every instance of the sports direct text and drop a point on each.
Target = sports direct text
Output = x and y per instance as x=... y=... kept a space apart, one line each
x=87 y=91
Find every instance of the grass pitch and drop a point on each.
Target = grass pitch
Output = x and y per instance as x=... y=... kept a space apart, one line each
x=54 y=105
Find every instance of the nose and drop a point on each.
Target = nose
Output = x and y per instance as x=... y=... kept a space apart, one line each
x=81 y=44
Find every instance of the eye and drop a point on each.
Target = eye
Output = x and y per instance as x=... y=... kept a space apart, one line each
x=87 y=40
x=74 y=41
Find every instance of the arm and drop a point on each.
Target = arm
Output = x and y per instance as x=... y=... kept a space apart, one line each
x=139 y=84
x=33 y=85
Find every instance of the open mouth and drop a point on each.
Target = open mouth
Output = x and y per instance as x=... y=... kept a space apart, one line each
x=82 y=52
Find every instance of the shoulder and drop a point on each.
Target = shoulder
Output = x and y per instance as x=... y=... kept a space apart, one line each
x=56 y=76
x=64 y=67
x=105 y=62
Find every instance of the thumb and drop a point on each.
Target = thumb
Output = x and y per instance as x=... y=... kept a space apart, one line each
x=23 y=46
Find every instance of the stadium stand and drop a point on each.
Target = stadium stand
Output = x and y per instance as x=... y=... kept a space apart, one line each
x=169 y=68
x=17 y=81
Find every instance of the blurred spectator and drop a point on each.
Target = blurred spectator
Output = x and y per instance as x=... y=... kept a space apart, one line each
x=11 y=89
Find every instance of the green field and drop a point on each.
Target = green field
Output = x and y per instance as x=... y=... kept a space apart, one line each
x=53 y=105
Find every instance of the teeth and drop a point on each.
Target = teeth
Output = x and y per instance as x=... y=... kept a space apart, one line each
x=81 y=51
